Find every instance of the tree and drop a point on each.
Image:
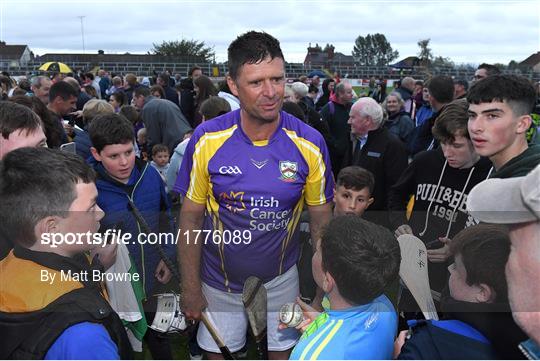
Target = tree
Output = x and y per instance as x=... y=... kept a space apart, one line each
x=373 y=50
x=425 y=54
x=185 y=48
x=443 y=62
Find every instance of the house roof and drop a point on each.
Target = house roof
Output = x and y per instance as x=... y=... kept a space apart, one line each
x=12 y=52
x=408 y=62
x=322 y=58
x=532 y=60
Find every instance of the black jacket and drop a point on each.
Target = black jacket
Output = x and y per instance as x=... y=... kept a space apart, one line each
x=435 y=204
x=385 y=156
x=30 y=334
x=453 y=337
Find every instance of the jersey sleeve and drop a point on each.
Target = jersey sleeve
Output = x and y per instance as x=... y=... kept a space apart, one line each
x=319 y=187
x=83 y=341
x=193 y=176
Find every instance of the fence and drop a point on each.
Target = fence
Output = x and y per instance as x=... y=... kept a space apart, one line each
x=292 y=70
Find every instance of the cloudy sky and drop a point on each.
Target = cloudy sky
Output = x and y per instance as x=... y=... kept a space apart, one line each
x=466 y=31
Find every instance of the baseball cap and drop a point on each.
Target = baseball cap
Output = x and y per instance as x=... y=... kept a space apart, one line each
x=507 y=201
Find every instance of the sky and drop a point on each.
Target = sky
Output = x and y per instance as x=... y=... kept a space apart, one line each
x=464 y=31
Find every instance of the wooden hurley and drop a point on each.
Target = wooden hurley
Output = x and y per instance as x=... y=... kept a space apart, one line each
x=413 y=271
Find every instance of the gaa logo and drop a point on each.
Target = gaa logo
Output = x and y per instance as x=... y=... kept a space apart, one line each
x=229 y=169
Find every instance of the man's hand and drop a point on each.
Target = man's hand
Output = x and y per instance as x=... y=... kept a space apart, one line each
x=193 y=303
x=163 y=274
x=403 y=229
x=441 y=254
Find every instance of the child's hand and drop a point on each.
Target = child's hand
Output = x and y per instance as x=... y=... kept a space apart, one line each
x=399 y=342
x=441 y=254
x=309 y=314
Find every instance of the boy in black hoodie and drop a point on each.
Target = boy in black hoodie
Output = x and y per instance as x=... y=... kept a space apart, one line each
x=478 y=323
x=440 y=180
x=499 y=118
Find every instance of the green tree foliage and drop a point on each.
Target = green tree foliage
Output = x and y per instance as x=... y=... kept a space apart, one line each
x=443 y=62
x=185 y=48
x=425 y=54
x=373 y=50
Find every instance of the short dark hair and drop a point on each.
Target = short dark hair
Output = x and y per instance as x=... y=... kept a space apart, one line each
x=464 y=83
x=214 y=107
x=517 y=91
x=490 y=69
x=53 y=133
x=441 y=87
x=484 y=249
x=192 y=70
x=452 y=121
x=63 y=90
x=159 y=89
x=108 y=129
x=131 y=113
x=142 y=90
x=252 y=48
x=313 y=88
x=159 y=148
x=362 y=257
x=164 y=78
x=36 y=183
x=15 y=116
x=357 y=178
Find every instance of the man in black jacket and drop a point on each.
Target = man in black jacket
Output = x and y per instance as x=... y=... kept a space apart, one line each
x=376 y=150
x=170 y=93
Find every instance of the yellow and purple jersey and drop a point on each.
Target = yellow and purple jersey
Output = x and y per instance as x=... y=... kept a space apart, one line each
x=254 y=193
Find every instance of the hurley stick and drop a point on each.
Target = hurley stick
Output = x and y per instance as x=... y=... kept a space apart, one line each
x=414 y=273
x=255 y=303
x=217 y=338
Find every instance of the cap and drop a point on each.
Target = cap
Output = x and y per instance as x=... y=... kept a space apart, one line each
x=507 y=201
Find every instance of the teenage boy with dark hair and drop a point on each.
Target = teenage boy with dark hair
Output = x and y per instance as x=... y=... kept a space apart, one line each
x=124 y=183
x=354 y=262
x=440 y=180
x=42 y=315
x=477 y=320
x=499 y=118
x=19 y=127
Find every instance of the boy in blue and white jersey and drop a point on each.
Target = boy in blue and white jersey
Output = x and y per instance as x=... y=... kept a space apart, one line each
x=353 y=263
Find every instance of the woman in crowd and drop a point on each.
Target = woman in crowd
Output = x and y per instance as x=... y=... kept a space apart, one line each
x=328 y=90
x=204 y=89
x=399 y=122
x=117 y=100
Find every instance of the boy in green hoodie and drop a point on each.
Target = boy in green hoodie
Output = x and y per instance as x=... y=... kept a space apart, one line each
x=499 y=118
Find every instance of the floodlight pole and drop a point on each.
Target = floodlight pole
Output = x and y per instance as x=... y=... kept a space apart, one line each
x=82 y=31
